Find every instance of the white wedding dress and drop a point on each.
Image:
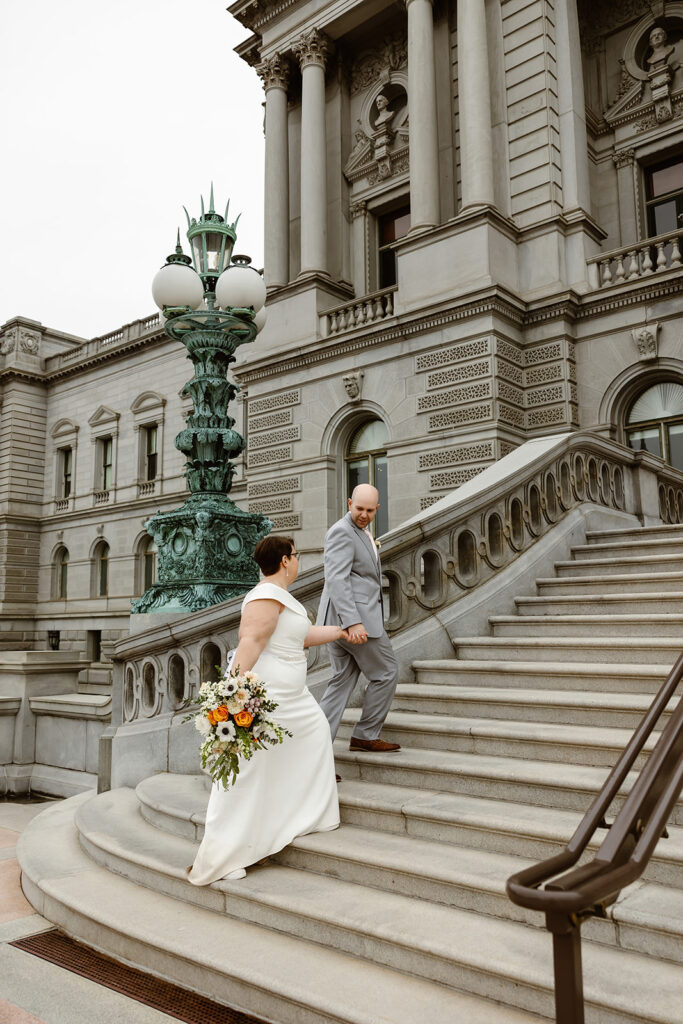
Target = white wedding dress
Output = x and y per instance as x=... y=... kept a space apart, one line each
x=284 y=791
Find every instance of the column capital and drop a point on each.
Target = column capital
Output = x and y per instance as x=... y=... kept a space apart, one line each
x=274 y=72
x=624 y=158
x=313 y=47
x=358 y=209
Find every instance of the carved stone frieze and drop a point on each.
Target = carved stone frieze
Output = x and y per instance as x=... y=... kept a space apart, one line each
x=646 y=341
x=390 y=55
x=29 y=341
x=313 y=47
x=8 y=342
x=274 y=72
x=597 y=21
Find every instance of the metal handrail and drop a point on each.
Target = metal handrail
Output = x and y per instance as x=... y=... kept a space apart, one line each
x=571 y=896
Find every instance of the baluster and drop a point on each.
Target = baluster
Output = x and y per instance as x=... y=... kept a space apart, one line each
x=369 y=311
x=675 y=252
x=361 y=318
x=635 y=265
x=379 y=308
x=661 y=257
x=390 y=304
x=606 y=272
x=332 y=319
x=647 y=261
x=620 y=272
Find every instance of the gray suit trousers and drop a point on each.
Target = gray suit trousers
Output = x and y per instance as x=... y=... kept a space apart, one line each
x=375 y=659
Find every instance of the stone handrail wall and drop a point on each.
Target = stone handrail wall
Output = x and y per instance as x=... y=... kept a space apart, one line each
x=127 y=333
x=634 y=262
x=442 y=554
x=359 y=312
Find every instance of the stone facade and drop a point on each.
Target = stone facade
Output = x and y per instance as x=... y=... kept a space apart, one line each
x=528 y=299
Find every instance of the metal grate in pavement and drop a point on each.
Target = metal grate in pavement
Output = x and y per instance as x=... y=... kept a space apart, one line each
x=143 y=988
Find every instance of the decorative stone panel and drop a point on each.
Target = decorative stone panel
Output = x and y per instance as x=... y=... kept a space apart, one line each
x=454 y=353
x=455 y=477
x=508 y=414
x=275 y=419
x=281 y=401
x=273 y=505
x=454 y=456
x=426 y=502
x=510 y=371
x=291 y=522
x=269 y=457
x=509 y=393
x=505 y=448
x=543 y=353
x=281 y=485
x=440 y=399
x=506 y=350
x=546 y=417
x=544 y=374
x=466 y=371
x=544 y=396
x=461 y=417
x=275 y=437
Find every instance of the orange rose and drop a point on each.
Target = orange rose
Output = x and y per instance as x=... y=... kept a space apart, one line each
x=220 y=714
x=244 y=719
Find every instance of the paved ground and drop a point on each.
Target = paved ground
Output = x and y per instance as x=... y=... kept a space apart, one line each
x=33 y=991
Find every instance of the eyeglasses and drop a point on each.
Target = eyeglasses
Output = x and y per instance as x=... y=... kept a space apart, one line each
x=293 y=554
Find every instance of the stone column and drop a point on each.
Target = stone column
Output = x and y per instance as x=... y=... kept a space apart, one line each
x=312 y=49
x=572 y=108
x=274 y=73
x=476 y=135
x=424 y=142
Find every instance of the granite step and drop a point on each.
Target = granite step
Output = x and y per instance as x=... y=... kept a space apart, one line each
x=620 y=566
x=555 y=675
x=267 y=974
x=544 y=741
x=629 y=603
x=674 y=531
x=618 y=583
x=632 y=547
x=545 y=783
x=646 y=625
x=572 y=707
x=608 y=649
x=177 y=803
x=114 y=834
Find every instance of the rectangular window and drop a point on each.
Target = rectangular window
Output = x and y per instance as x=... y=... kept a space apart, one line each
x=94 y=644
x=66 y=459
x=106 y=454
x=391 y=227
x=664 y=184
x=151 y=452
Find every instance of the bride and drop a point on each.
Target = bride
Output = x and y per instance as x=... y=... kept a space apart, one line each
x=287 y=790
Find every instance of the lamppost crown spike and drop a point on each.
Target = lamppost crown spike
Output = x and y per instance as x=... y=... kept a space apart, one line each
x=211 y=209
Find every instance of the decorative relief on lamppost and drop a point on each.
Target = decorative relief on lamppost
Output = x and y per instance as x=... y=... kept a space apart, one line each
x=646 y=341
x=353 y=384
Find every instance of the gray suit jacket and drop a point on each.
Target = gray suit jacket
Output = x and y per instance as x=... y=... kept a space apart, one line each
x=353 y=588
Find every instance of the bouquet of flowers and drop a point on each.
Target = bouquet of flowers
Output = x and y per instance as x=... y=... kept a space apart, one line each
x=233 y=716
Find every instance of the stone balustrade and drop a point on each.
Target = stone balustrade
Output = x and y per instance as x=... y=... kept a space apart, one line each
x=124 y=335
x=635 y=262
x=360 y=312
x=439 y=557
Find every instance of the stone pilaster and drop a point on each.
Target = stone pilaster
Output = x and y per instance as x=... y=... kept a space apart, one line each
x=312 y=49
x=476 y=136
x=274 y=73
x=359 y=222
x=424 y=144
x=571 y=107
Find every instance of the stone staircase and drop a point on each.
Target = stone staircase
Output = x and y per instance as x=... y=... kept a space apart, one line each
x=401 y=914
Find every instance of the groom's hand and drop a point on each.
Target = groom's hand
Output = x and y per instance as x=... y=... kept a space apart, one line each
x=358 y=634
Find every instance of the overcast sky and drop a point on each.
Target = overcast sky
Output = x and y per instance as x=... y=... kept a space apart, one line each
x=114 y=116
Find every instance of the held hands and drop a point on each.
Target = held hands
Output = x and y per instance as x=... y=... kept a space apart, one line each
x=355 y=634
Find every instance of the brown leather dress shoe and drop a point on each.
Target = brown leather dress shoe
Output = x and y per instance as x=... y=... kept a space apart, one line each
x=373 y=746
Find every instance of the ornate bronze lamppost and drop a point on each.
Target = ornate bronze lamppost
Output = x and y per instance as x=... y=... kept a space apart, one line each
x=205 y=548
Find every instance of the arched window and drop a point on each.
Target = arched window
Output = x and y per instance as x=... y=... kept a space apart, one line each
x=655 y=422
x=147 y=564
x=61 y=573
x=366 y=463
x=103 y=570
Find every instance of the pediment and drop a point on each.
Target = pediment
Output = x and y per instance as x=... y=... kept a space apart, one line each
x=147 y=401
x=103 y=415
x=629 y=102
x=63 y=428
x=361 y=155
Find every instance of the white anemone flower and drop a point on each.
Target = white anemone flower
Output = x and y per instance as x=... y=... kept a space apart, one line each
x=225 y=732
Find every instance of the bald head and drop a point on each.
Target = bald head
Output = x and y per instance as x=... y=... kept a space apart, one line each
x=363 y=504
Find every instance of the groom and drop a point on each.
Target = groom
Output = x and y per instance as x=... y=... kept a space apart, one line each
x=352 y=599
